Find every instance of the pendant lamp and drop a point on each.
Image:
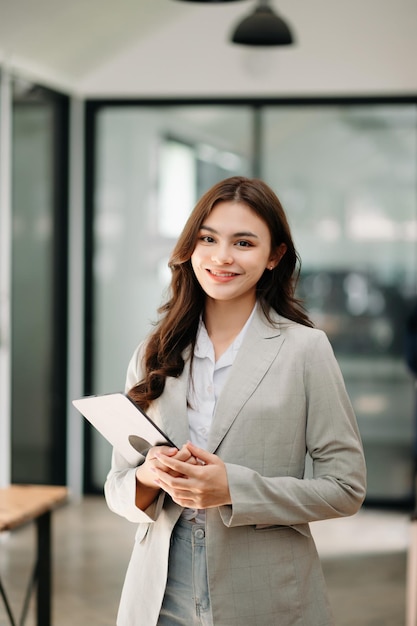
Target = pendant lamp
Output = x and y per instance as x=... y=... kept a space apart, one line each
x=263 y=27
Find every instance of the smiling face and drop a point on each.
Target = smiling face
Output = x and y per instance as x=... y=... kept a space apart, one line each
x=232 y=252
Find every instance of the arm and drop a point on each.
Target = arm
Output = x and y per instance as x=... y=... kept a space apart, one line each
x=130 y=491
x=325 y=425
x=121 y=488
x=120 y=491
x=338 y=484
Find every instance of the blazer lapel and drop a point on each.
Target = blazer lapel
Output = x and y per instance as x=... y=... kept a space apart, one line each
x=259 y=348
x=171 y=407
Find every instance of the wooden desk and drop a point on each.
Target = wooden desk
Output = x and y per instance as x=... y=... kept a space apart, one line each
x=20 y=504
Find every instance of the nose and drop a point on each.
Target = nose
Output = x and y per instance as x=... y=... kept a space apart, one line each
x=222 y=256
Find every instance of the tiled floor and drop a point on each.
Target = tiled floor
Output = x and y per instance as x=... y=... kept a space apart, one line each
x=364 y=559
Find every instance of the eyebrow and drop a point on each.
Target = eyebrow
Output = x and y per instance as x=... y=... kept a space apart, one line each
x=239 y=234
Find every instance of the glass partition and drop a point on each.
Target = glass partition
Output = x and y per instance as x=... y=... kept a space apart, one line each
x=151 y=165
x=347 y=176
x=39 y=197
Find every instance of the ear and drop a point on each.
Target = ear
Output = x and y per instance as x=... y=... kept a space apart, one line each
x=276 y=256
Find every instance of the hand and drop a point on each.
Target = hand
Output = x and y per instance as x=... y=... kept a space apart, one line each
x=146 y=489
x=198 y=485
x=152 y=461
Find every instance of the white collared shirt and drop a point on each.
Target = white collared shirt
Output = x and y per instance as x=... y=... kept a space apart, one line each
x=204 y=387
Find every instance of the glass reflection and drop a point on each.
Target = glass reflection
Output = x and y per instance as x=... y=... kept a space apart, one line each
x=347 y=177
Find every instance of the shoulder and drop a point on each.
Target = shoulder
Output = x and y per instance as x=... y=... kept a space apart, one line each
x=304 y=341
x=135 y=368
x=312 y=341
x=294 y=331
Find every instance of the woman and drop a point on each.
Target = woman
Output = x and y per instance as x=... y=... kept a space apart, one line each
x=237 y=377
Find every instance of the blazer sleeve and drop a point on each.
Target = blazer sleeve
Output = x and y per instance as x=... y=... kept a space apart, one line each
x=338 y=483
x=120 y=485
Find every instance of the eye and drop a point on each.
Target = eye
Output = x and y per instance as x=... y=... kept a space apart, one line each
x=243 y=244
x=206 y=239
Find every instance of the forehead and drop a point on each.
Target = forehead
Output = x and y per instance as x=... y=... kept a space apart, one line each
x=233 y=216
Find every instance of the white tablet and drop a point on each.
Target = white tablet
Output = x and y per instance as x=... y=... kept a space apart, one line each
x=123 y=424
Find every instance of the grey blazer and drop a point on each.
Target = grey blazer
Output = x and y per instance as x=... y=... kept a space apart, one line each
x=285 y=396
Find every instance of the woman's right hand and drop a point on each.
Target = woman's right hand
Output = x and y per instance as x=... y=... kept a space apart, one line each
x=145 y=472
x=146 y=490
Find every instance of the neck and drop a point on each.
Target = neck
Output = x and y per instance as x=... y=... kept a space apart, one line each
x=226 y=319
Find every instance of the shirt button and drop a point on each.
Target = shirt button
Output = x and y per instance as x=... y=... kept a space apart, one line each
x=199 y=533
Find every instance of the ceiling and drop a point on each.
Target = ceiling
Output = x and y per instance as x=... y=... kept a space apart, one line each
x=137 y=47
x=71 y=39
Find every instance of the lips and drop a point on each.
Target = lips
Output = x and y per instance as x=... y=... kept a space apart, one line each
x=220 y=274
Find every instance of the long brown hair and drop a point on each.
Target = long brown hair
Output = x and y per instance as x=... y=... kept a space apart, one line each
x=179 y=316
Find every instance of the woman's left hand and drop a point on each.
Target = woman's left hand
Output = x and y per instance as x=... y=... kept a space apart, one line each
x=200 y=486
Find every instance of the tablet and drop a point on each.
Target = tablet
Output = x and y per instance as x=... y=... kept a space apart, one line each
x=123 y=424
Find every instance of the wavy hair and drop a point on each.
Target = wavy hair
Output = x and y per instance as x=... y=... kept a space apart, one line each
x=177 y=327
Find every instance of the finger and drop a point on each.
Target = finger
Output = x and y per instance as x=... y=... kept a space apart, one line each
x=158 y=465
x=184 y=454
x=173 y=484
x=172 y=463
x=201 y=454
x=180 y=468
x=169 y=451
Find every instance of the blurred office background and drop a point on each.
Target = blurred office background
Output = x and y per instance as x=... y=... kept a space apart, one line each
x=115 y=118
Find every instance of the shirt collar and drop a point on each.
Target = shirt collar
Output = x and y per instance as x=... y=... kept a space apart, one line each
x=204 y=347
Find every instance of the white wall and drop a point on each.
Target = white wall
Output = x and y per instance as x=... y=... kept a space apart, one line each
x=142 y=48
x=355 y=47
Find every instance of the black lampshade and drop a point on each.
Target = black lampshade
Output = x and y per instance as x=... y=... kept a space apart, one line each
x=262 y=28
